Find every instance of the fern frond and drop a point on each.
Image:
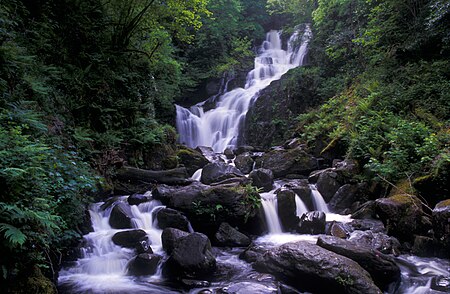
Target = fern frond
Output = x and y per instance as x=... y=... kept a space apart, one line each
x=13 y=234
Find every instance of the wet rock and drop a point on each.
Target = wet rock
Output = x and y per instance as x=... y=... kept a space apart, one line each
x=381 y=267
x=229 y=154
x=376 y=241
x=191 y=257
x=441 y=284
x=366 y=210
x=121 y=216
x=262 y=178
x=137 y=199
x=190 y=283
x=374 y=225
x=348 y=166
x=209 y=154
x=243 y=149
x=328 y=184
x=171 y=218
x=169 y=237
x=346 y=195
x=143 y=246
x=219 y=171
x=252 y=253
x=144 y=264
x=441 y=223
x=339 y=230
x=401 y=214
x=249 y=287
x=285 y=289
x=129 y=239
x=312 y=222
x=244 y=162
x=191 y=159
x=229 y=236
x=284 y=162
x=428 y=247
x=324 y=271
x=287 y=210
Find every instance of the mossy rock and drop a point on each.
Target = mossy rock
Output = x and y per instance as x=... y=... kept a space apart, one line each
x=191 y=159
x=434 y=187
x=33 y=282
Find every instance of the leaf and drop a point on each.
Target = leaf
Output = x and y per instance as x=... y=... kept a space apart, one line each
x=13 y=234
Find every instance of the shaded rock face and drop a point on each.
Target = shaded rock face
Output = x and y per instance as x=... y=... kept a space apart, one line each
x=365 y=210
x=252 y=253
x=229 y=236
x=312 y=222
x=283 y=162
x=121 y=216
x=376 y=241
x=346 y=195
x=401 y=214
x=441 y=223
x=219 y=171
x=328 y=184
x=137 y=199
x=129 y=239
x=191 y=159
x=304 y=192
x=381 y=267
x=171 y=218
x=287 y=210
x=144 y=264
x=169 y=237
x=244 y=162
x=309 y=267
x=191 y=257
x=262 y=178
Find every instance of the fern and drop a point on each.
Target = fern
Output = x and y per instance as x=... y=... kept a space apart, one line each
x=13 y=234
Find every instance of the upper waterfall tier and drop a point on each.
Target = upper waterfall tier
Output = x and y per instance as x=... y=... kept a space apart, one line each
x=219 y=127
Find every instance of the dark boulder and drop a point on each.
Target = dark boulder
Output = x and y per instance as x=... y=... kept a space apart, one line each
x=309 y=267
x=287 y=210
x=171 y=218
x=244 y=162
x=169 y=237
x=129 y=239
x=209 y=154
x=339 y=230
x=243 y=149
x=441 y=284
x=374 y=225
x=137 y=199
x=143 y=246
x=382 y=268
x=121 y=216
x=252 y=253
x=144 y=264
x=366 y=210
x=376 y=241
x=346 y=195
x=283 y=162
x=303 y=190
x=229 y=236
x=441 y=223
x=262 y=178
x=191 y=257
x=428 y=247
x=328 y=184
x=219 y=171
x=229 y=154
x=191 y=159
x=312 y=222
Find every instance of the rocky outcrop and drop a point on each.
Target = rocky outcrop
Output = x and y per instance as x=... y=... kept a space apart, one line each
x=137 y=199
x=144 y=264
x=171 y=218
x=244 y=162
x=309 y=267
x=291 y=161
x=262 y=178
x=219 y=171
x=328 y=183
x=228 y=236
x=303 y=191
x=129 y=239
x=121 y=216
x=169 y=238
x=287 y=210
x=312 y=222
x=191 y=159
x=346 y=195
x=376 y=241
x=381 y=267
x=191 y=257
x=441 y=223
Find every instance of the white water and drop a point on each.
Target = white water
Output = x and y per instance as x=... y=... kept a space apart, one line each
x=103 y=265
x=219 y=128
x=319 y=202
x=270 y=206
x=301 y=207
x=197 y=175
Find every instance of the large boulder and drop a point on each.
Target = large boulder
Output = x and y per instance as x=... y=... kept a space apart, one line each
x=441 y=223
x=228 y=236
x=312 y=222
x=365 y=210
x=401 y=214
x=137 y=199
x=303 y=190
x=328 y=183
x=191 y=257
x=287 y=210
x=262 y=178
x=244 y=162
x=191 y=159
x=376 y=241
x=121 y=216
x=171 y=218
x=219 y=171
x=309 y=267
x=283 y=162
x=130 y=238
x=346 y=195
x=382 y=268
x=144 y=264
x=169 y=238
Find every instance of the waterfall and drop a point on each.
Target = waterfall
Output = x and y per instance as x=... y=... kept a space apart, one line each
x=301 y=207
x=219 y=127
x=319 y=202
x=269 y=204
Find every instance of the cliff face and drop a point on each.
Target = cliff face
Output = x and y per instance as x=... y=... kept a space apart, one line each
x=270 y=119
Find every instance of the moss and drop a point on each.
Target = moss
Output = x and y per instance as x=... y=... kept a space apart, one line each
x=34 y=282
x=402 y=187
x=404 y=199
x=170 y=162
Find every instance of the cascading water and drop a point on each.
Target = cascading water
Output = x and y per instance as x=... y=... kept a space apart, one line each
x=219 y=127
x=319 y=202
